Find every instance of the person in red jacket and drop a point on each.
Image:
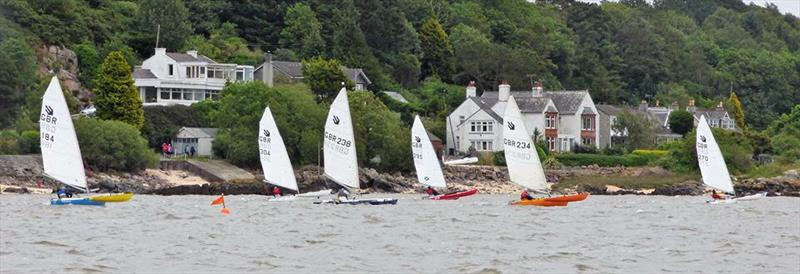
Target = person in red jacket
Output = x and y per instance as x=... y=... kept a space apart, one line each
x=431 y=191
x=716 y=195
x=525 y=195
x=276 y=191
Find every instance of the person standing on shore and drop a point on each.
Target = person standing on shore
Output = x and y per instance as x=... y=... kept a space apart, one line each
x=164 y=150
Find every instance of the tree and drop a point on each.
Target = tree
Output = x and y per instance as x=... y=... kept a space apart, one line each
x=113 y=145
x=377 y=131
x=223 y=45
x=88 y=63
x=637 y=128
x=302 y=32
x=737 y=110
x=116 y=96
x=325 y=78
x=171 y=15
x=681 y=121
x=17 y=77
x=437 y=52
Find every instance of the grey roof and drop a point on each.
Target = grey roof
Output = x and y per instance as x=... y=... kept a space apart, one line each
x=532 y=104
x=487 y=108
x=197 y=132
x=140 y=73
x=183 y=57
x=354 y=73
x=718 y=113
x=551 y=109
x=588 y=110
x=396 y=96
x=295 y=70
x=609 y=109
x=567 y=101
x=432 y=137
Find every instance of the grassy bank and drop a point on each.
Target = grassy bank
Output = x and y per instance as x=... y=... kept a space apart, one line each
x=770 y=170
x=626 y=182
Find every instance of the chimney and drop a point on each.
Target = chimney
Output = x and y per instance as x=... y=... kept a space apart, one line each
x=193 y=53
x=658 y=103
x=471 y=90
x=537 y=89
x=161 y=51
x=267 y=70
x=643 y=106
x=674 y=105
x=691 y=107
x=504 y=90
x=720 y=107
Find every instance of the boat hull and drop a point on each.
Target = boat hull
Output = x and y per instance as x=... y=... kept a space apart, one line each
x=282 y=199
x=377 y=201
x=568 y=198
x=455 y=196
x=112 y=198
x=753 y=197
x=76 y=201
x=538 y=202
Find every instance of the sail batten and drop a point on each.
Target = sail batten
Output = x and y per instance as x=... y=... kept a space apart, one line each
x=709 y=159
x=429 y=172
x=274 y=158
x=341 y=162
x=524 y=166
x=61 y=154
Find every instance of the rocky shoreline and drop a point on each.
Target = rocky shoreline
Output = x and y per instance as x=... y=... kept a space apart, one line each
x=20 y=173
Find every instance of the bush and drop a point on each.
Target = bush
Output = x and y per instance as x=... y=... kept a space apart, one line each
x=572 y=159
x=485 y=158
x=8 y=142
x=585 y=149
x=499 y=158
x=113 y=145
x=736 y=150
x=29 y=142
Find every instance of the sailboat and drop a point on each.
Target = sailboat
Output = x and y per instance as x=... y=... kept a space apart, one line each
x=712 y=164
x=275 y=159
x=339 y=148
x=524 y=167
x=429 y=172
x=61 y=155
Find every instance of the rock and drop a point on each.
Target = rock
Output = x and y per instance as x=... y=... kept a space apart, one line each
x=792 y=174
x=690 y=187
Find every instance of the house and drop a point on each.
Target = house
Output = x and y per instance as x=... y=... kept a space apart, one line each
x=717 y=117
x=656 y=115
x=168 y=78
x=606 y=120
x=199 y=138
x=562 y=118
x=292 y=72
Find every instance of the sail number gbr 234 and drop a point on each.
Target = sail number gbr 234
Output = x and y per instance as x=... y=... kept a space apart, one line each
x=516 y=144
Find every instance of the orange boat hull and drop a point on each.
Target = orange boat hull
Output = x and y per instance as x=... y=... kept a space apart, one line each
x=569 y=198
x=539 y=202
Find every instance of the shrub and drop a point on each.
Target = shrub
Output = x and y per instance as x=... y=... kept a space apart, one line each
x=736 y=150
x=8 y=142
x=113 y=145
x=572 y=159
x=29 y=142
x=499 y=158
x=485 y=158
x=160 y=122
x=647 y=152
x=586 y=149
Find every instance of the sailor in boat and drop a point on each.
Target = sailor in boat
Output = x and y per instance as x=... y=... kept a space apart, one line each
x=716 y=195
x=525 y=195
x=276 y=191
x=342 y=193
x=431 y=191
x=63 y=191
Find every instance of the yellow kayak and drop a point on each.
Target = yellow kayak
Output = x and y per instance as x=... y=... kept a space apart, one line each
x=112 y=198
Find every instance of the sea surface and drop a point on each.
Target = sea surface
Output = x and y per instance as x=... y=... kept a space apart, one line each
x=482 y=233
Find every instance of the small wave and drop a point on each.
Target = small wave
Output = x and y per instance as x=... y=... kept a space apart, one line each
x=313 y=242
x=489 y=271
x=583 y=267
x=73 y=252
x=49 y=243
x=169 y=216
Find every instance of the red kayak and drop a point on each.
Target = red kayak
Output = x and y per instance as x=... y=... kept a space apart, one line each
x=568 y=198
x=454 y=196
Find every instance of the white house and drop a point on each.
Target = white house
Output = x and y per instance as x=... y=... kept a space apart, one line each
x=562 y=118
x=168 y=78
x=199 y=138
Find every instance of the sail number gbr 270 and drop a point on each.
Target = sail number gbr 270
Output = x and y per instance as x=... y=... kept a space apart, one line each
x=516 y=144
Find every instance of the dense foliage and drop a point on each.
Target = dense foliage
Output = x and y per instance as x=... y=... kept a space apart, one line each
x=113 y=145
x=681 y=121
x=325 y=78
x=116 y=96
x=162 y=122
x=736 y=150
x=621 y=51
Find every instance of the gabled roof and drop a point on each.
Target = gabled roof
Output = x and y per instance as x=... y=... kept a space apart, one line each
x=567 y=101
x=718 y=113
x=587 y=110
x=609 y=109
x=526 y=104
x=183 y=57
x=486 y=108
x=355 y=73
x=196 y=132
x=140 y=73
x=396 y=96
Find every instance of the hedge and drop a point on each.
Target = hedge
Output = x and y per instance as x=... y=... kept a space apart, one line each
x=571 y=159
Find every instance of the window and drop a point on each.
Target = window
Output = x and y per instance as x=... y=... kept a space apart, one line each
x=240 y=75
x=188 y=95
x=176 y=94
x=551 y=143
x=164 y=94
x=550 y=121
x=461 y=119
x=203 y=70
x=588 y=122
x=587 y=141
x=170 y=70
x=458 y=141
x=565 y=144
x=481 y=126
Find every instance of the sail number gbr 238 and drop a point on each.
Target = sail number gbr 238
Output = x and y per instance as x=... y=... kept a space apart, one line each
x=342 y=145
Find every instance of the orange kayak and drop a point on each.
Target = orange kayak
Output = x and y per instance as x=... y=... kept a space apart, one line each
x=568 y=198
x=539 y=202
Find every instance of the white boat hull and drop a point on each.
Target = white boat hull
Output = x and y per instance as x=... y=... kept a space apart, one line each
x=282 y=199
x=753 y=197
x=315 y=194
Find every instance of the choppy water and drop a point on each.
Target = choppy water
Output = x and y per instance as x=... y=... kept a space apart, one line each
x=479 y=233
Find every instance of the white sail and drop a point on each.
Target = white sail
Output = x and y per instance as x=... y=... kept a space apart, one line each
x=274 y=158
x=61 y=156
x=523 y=163
x=339 y=148
x=709 y=158
x=429 y=172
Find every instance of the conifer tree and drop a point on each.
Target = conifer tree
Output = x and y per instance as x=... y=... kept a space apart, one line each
x=738 y=112
x=437 y=52
x=116 y=96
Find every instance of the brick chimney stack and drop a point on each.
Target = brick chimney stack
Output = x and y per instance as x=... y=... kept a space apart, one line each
x=471 y=90
x=537 y=89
